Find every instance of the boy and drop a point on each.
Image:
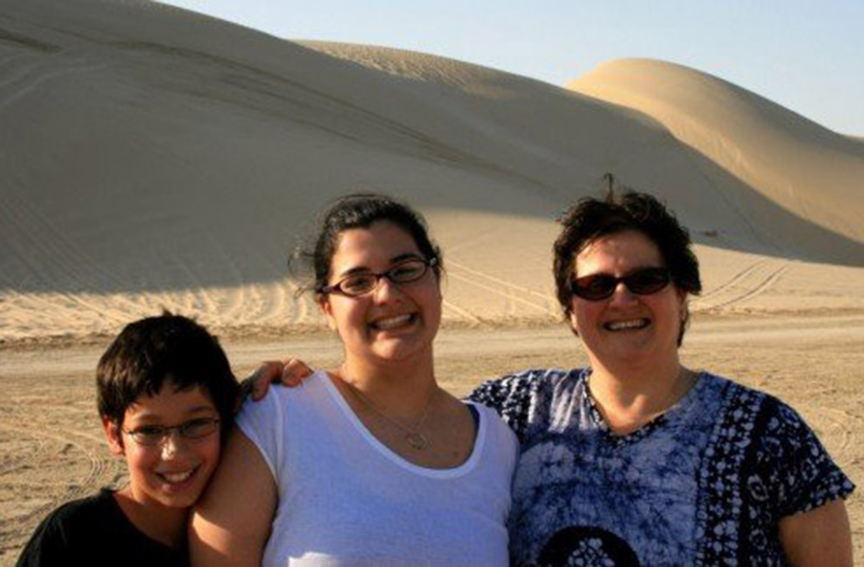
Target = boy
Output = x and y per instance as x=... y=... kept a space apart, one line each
x=165 y=394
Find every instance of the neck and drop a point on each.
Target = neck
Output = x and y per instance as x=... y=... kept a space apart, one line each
x=161 y=523
x=629 y=395
x=400 y=387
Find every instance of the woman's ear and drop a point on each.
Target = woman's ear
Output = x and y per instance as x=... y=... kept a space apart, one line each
x=571 y=318
x=683 y=304
x=113 y=435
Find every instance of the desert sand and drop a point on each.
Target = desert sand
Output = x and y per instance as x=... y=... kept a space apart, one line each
x=155 y=158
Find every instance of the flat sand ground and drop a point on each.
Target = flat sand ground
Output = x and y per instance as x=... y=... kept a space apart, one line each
x=51 y=447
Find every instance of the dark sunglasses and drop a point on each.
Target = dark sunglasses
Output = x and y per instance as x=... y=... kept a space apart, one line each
x=641 y=282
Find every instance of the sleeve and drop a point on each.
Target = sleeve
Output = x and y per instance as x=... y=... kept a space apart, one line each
x=262 y=422
x=510 y=397
x=795 y=466
x=47 y=546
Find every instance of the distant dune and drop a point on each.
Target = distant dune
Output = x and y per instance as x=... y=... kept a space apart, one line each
x=794 y=162
x=158 y=158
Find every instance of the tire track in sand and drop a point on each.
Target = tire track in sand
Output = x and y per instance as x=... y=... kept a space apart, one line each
x=748 y=283
x=33 y=455
x=513 y=294
x=33 y=73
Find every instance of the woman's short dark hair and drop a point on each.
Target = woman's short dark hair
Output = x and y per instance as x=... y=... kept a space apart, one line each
x=620 y=211
x=361 y=210
x=171 y=349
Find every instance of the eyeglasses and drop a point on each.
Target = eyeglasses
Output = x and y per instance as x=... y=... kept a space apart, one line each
x=152 y=435
x=365 y=282
x=601 y=286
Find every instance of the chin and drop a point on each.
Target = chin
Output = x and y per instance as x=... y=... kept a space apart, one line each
x=399 y=352
x=186 y=500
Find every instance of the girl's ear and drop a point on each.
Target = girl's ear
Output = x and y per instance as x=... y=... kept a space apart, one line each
x=327 y=309
x=113 y=435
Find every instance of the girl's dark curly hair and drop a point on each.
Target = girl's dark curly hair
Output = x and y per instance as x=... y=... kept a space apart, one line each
x=360 y=210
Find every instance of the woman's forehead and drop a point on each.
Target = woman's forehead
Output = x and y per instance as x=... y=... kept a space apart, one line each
x=625 y=247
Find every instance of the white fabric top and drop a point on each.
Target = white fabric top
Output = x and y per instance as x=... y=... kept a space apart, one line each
x=346 y=499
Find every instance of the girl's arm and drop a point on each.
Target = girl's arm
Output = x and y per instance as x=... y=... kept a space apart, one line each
x=231 y=521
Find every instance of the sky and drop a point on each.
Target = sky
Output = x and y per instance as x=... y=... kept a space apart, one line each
x=806 y=55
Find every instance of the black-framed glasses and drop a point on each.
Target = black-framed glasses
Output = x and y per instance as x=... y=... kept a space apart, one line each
x=601 y=286
x=152 y=435
x=362 y=283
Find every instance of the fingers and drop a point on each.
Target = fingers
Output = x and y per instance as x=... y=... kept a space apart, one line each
x=294 y=372
x=269 y=371
x=290 y=373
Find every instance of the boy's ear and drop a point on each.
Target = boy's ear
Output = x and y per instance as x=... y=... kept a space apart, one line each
x=113 y=435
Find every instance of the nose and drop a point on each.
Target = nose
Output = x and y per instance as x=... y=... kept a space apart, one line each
x=386 y=289
x=172 y=444
x=623 y=295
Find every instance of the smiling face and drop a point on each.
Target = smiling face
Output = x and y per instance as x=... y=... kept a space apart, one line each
x=394 y=322
x=174 y=473
x=626 y=327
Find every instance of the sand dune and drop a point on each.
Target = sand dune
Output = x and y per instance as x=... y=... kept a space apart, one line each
x=794 y=162
x=162 y=158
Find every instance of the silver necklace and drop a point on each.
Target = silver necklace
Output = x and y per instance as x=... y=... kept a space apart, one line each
x=413 y=437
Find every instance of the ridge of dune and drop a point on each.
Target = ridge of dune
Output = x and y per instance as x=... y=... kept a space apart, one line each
x=160 y=158
x=706 y=199
x=806 y=168
x=411 y=65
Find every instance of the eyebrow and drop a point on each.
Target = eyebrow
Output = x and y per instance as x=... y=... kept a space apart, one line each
x=627 y=273
x=394 y=260
x=189 y=413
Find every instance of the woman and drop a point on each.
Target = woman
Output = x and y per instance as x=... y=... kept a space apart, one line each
x=372 y=462
x=637 y=459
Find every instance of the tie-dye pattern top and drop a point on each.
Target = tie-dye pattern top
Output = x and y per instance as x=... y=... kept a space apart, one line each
x=703 y=484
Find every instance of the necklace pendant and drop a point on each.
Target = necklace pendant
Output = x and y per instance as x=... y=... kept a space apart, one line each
x=417 y=441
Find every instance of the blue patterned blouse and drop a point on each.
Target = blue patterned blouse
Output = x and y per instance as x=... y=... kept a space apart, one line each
x=704 y=484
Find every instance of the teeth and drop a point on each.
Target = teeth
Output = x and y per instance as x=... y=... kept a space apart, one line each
x=392 y=322
x=623 y=325
x=177 y=477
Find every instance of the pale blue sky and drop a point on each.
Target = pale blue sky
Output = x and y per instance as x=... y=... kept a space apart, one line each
x=806 y=55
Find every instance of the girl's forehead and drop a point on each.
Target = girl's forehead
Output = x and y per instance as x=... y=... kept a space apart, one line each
x=381 y=241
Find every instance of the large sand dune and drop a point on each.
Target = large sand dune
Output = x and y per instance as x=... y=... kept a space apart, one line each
x=153 y=158
x=807 y=169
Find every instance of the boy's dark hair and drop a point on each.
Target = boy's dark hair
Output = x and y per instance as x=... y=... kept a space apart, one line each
x=151 y=352
x=621 y=211
x=360 y=210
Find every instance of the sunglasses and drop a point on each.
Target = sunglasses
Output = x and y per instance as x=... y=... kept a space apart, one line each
x=601 y=286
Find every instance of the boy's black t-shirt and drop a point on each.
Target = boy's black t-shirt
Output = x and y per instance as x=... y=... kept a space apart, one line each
x=94 y=531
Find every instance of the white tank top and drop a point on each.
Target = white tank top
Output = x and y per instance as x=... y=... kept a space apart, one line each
x=346 y=499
